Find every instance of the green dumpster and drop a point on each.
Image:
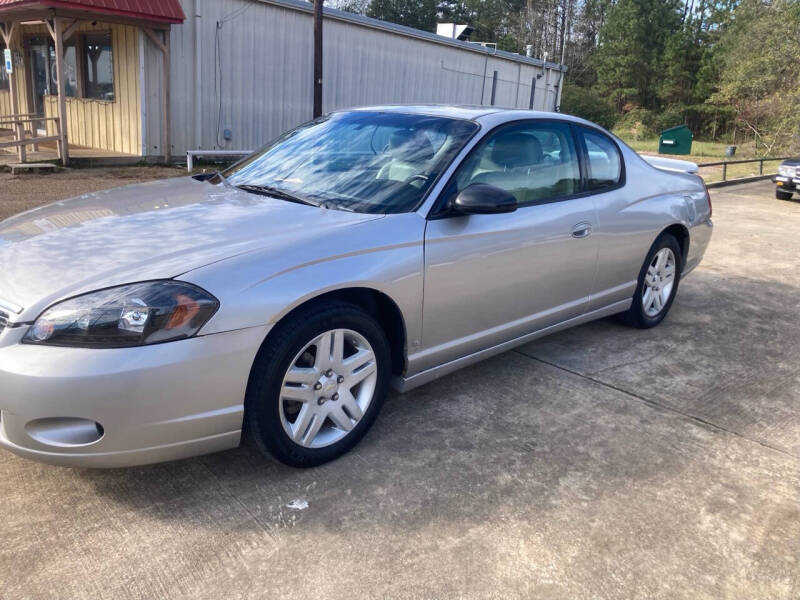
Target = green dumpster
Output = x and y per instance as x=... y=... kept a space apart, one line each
x=675 y=140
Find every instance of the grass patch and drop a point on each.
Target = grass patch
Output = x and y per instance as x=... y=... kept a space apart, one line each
x=707 y=151
x=704 y=152
x=713 y=174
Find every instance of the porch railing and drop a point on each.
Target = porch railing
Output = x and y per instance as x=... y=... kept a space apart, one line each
x=18 y=123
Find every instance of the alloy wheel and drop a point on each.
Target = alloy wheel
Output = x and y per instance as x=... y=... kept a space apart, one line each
x=658 y=282
x=328 y=388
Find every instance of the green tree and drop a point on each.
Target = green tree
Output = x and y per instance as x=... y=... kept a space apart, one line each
x=420 y=14
x=679 y=67
x=588 y=104
x=632 y=43
x=488 y=18
x=585 y=38
x=353 y=6
x=759 y=54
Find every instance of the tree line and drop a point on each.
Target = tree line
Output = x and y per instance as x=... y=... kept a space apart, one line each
x=730 y=69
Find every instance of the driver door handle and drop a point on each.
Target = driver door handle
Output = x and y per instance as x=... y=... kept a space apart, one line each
x=582 y=230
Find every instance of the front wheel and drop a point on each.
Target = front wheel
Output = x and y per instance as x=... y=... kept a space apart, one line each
x=317 y=385
x=658 y=284
x=781 y=195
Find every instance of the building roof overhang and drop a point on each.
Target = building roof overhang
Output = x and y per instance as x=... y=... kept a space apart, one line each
x=152 y=12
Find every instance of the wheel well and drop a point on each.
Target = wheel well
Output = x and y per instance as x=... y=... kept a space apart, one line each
x=381 y=307
x=680 y=233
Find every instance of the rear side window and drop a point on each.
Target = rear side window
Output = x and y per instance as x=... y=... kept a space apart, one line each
x=605 y=164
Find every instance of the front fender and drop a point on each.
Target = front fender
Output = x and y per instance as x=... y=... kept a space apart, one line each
x=258 y=289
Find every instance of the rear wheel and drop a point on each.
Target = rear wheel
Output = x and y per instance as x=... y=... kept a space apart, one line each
x=317 y=385
x=781 y=195
x=658 y=284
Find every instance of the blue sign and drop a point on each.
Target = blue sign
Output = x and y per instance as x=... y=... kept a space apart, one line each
x=9 y=62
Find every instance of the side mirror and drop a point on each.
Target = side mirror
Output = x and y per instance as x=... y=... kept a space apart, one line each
x=204 y=176
x=484 y=199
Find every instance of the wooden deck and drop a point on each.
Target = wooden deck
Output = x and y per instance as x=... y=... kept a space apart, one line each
x=79 y=155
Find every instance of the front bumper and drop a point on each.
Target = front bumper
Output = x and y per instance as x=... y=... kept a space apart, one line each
x=789 y=184
x=153 y=404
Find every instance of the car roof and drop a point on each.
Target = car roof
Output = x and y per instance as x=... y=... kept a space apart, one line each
x=466 y=111
x=436 y=110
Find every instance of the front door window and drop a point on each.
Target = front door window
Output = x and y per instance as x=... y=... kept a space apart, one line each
x=536 y=162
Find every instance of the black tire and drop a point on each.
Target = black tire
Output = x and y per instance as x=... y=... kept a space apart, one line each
x=781 y=195
x=263 y=426
x=636 y=315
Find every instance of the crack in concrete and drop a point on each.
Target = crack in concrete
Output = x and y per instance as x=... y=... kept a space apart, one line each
x=669 y=348
x=658 y=405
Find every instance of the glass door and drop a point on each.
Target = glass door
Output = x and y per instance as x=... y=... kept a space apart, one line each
x=42 y=61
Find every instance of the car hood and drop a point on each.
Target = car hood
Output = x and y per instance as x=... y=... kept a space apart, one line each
x=147 y=231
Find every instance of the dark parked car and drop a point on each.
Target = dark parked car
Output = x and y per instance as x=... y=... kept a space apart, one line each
x=788 y=179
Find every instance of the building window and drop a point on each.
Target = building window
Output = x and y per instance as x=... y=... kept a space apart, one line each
x=3 y=74
x=70 y=70
x=98 y=67
x=88 y=66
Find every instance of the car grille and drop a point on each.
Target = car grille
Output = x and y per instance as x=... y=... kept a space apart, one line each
x=3 y=321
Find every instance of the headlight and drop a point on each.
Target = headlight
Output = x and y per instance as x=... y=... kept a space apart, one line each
x=786 y=171
x=131 y=315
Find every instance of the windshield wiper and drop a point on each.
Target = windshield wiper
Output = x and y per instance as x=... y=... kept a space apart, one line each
x=266 y=190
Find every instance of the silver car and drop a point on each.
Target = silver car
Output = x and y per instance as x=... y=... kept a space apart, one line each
x=279 y=299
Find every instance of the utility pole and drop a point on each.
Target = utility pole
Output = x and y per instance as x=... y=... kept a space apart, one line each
x=317 y=58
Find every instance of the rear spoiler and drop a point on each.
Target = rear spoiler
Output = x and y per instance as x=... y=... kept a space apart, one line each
x=671 y=164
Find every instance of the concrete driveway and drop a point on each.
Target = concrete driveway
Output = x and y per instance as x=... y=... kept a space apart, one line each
x=601 y=462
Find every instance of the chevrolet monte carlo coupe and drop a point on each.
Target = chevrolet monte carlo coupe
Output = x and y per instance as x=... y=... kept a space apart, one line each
x=279 y=299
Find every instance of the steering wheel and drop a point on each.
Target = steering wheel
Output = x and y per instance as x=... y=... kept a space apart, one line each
x=420 y=176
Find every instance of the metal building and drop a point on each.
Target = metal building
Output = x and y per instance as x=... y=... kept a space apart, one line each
x=240 y=71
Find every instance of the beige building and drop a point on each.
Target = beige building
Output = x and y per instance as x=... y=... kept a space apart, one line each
x=228 y=74
x=90 y=93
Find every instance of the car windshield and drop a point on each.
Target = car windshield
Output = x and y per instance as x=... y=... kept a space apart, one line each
x=369 y=162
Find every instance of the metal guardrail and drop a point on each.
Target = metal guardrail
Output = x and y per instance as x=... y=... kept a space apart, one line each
x=724 y=164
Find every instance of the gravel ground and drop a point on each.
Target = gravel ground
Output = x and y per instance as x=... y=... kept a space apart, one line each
x=19 y=193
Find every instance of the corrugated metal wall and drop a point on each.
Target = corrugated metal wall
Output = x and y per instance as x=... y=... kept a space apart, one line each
x=246 y=66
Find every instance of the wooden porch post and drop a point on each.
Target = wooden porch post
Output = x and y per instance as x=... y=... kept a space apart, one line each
x=57 y=31
x=8 y=31
x=165 y=96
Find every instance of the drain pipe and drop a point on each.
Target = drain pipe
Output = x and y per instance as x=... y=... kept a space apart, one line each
x=198 y=77
x=560 y=89
x=562 y=67
x=546 y=73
